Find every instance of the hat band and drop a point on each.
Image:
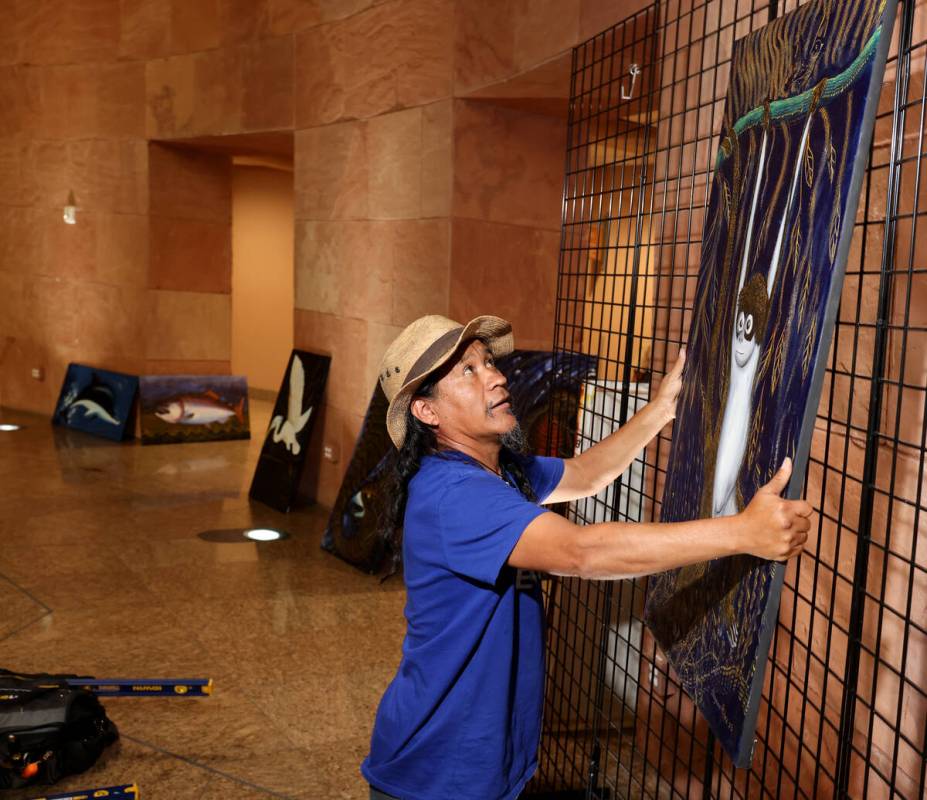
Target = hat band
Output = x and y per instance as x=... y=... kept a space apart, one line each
x=426 y=360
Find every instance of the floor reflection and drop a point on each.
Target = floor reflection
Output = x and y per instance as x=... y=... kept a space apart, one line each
x=102 y=573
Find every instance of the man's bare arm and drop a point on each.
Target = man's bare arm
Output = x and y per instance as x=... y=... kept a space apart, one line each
x=770 y=527
x=593 y=470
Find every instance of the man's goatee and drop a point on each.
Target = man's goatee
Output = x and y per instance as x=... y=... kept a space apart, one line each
x=514 y=440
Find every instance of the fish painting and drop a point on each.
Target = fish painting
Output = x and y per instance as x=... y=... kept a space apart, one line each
x=97 y=401
x=204 y=409
x=179 y=408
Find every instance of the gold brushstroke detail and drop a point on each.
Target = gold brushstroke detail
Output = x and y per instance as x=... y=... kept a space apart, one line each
x=809 y=164
x=834 y=238
x=808 y=351
x=780 y=183
x=830 y=155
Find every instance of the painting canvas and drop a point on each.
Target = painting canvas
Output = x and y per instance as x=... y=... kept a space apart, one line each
x=278 y=475
x=352 y=527
x=176 y=409
x=536 y=379
x=795 y=138
x=98 y=402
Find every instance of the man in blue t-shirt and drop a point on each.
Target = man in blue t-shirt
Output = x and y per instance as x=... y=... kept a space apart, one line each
x=462 y=717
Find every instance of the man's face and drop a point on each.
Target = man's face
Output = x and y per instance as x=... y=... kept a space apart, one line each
x=471 y=402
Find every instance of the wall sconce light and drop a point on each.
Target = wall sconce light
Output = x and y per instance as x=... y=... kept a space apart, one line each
x=70 y=210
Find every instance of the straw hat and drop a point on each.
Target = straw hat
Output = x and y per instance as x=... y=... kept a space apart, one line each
x=424 y=346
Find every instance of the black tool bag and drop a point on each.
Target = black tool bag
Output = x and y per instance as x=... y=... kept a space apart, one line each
x=48 y=729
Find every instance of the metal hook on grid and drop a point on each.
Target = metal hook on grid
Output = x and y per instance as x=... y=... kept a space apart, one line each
x=635 y=70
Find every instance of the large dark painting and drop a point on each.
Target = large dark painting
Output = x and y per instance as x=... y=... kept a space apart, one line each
x=176 y=409
x=98 y=402
x=279 y=471
x=795 y=139
x=536 y=380
x=351 y=533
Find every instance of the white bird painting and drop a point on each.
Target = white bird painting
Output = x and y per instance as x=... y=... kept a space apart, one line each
x=285 y=430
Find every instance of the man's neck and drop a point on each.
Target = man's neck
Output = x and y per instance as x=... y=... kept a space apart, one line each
x=486 y=453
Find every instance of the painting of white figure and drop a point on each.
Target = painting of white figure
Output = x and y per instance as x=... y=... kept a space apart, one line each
x=285 y=429
x=747 y=333
x=279 y=476
x=792 y=151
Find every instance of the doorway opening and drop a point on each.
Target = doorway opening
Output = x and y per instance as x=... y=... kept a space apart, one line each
x=223 y=242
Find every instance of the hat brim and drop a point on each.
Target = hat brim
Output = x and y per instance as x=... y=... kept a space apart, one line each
x=495 y=331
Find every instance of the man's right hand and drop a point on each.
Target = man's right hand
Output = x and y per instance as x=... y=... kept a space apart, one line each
x=772 y=527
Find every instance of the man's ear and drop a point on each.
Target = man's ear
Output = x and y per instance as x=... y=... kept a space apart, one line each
x=423 y=410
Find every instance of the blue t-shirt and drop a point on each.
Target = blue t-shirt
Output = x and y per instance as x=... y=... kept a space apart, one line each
x=462 y=717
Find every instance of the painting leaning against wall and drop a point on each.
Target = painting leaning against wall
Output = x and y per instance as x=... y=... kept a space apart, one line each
x=278 y=476
x=795 y=139
x=97 y=401
x=177 y=409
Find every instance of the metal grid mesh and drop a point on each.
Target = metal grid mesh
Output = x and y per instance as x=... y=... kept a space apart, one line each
x=844 y=710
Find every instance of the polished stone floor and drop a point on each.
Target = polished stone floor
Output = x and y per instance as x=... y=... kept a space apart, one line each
x=101 y=573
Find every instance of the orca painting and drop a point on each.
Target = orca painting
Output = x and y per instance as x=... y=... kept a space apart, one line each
x=98 y=402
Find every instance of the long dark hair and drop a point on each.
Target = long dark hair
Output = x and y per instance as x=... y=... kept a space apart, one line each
x=421 y=441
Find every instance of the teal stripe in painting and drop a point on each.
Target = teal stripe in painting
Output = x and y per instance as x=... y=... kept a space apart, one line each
x=792 y=107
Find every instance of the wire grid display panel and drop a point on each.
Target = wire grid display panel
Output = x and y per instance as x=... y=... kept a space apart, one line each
x=844 y=710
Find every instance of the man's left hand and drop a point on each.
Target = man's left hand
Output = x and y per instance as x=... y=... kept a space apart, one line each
x=668 y=393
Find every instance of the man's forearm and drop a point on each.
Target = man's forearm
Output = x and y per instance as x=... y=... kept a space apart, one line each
x=769 y=527
x=612 y=550
x=606 y=460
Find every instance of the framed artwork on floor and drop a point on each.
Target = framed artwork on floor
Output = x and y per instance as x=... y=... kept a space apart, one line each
x=279 y=472
x=97 y=401
x=177 y=409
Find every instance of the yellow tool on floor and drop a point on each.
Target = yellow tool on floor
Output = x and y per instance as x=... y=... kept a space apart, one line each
x=144 y=687
x=127 y=792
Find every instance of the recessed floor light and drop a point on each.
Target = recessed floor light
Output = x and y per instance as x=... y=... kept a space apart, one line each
x=8 y=426
x=243 y=535
x=264 y=535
